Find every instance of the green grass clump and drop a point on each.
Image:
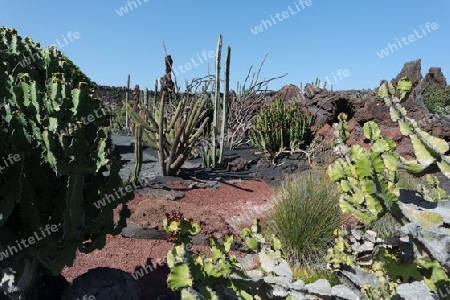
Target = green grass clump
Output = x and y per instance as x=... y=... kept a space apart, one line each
x=437 y=99
x=304 y=216
x=308 y=275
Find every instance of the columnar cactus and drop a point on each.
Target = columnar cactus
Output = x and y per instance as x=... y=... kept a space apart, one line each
x=52 y=128
x=138 y=146
x=214 y=156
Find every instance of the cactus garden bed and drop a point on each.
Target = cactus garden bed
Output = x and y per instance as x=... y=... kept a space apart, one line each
x=215 y=206
x=224 y=200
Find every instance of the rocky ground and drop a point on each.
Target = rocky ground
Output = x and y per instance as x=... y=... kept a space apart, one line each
x=242 y=164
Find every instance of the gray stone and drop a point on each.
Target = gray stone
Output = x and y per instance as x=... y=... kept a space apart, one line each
x=279 y=292
x=320 y=287
x=428 y=223
x=355 y=246
x=371 y=236
x=357 y=234
x=278 y=281
x=297 y=285
x=358 y=277
x=343 y=292
x=283 y=269
x=249 y=262
x=366 y=247
x=416 y=290
x=255 y=274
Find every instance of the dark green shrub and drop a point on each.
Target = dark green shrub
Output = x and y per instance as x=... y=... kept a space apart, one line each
x=304 y=216
x=437 y=99
x=279 y=127
x=54 y=129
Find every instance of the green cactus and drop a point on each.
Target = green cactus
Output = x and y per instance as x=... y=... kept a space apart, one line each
x=215 y=154
x=430 y=151
x=317 y=82
x=138 y=146
x=222 y=276
x=225 y=106
x=127 y=89
x=367 y=180
x=173 y=139
x=55 y=126
x=280 y=127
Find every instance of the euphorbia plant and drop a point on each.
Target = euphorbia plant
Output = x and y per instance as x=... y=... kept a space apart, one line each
x=367 y=180
x=221 y=276
x=280 y=127
x=65 y=164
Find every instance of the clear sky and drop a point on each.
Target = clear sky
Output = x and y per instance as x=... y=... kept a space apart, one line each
x=353 y=43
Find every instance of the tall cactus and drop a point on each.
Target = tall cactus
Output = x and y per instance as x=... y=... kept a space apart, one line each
x=225 y=104
x=138 y=146
x=215 y=154
x=52 y=122
x=127 y=117
x=216 y=103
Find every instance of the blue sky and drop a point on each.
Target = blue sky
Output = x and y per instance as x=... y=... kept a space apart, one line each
x=336 y=41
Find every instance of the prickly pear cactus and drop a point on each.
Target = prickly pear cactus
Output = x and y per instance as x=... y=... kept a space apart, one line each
x=55 y=164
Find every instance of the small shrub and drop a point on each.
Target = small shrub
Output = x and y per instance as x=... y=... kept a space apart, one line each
x=304 y=216
x=437 y=99
x=308 y=275
x=280 y=126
